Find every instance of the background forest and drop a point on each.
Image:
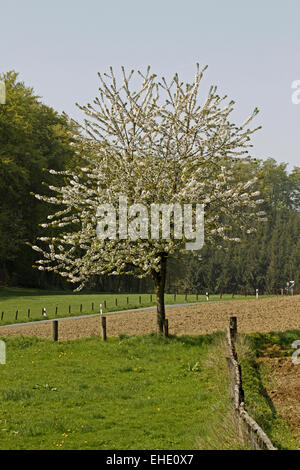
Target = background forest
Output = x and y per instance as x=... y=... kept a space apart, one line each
x=34 y=136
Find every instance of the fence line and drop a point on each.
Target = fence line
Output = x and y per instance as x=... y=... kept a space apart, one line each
x=55 y=328
x=121 y=303
x=31 y=313
x=248 y=428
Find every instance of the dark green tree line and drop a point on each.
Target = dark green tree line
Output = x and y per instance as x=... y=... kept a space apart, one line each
x=268 y=258
x=32 y=137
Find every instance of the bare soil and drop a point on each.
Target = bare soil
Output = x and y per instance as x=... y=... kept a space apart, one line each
x=255 y=315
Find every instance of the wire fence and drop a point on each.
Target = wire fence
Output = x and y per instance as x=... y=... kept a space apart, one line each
x=59 y=306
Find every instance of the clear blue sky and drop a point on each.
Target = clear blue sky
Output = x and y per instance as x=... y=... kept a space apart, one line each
x=252 y=49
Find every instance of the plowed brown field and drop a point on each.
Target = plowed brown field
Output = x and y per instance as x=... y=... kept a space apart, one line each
x=262 y=315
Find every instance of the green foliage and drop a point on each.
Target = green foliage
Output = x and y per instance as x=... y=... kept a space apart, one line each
x=32 y=137
x=266 y=259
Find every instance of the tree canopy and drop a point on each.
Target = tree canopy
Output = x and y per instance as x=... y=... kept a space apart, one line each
x=32 y=137
x=152 y=144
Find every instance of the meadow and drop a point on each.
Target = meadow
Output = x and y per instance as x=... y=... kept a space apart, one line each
x=146 y=392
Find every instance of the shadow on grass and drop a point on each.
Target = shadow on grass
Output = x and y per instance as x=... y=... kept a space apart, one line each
x=256 y=377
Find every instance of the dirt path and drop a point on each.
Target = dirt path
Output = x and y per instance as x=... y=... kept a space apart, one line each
x=263 y=315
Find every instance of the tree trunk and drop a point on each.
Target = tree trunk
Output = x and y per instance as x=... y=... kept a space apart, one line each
x=159 y=278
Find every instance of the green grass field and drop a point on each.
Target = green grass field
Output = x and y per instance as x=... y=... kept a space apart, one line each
x=146 y=392
x=18 y=299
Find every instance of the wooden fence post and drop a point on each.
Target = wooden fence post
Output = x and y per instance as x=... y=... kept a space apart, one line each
x=140 y=299
x=103 y=324
x=2 y=315
x=17 y=314
x=92 y=306
x=233 y=328
x=28 y=314
x=80 y=308
x=116 y=301
x=104 y=303
x=55 y=330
